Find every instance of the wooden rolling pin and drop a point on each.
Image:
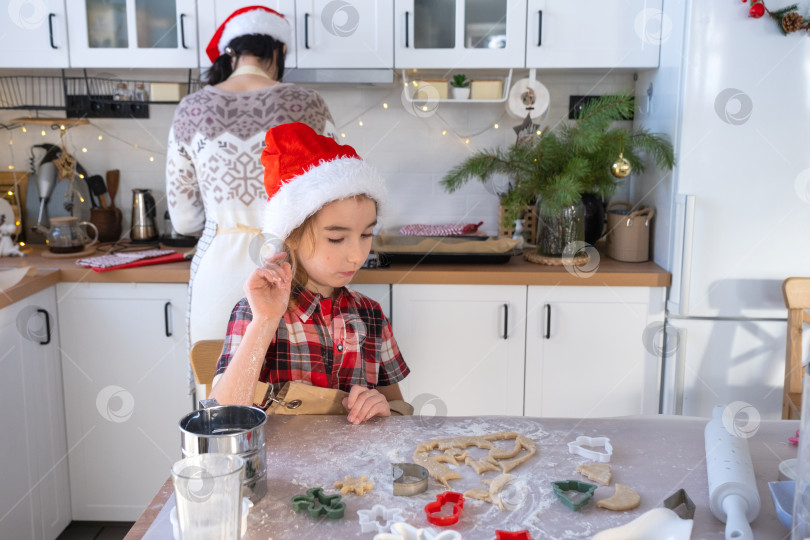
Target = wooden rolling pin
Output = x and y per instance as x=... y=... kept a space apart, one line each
x=733 y=496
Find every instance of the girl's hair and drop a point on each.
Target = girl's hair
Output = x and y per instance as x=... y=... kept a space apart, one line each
x=266 y=48
x=296 y=238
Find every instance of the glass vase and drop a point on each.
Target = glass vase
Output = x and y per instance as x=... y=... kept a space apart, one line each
x=556 y=228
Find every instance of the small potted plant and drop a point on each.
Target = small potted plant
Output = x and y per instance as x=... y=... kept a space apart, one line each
x=461 y=86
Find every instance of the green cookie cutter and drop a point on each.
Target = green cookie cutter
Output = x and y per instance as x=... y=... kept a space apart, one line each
x=328 y=505
x=574 y=502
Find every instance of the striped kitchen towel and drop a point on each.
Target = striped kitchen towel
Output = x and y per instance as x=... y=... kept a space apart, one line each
x=449 y=229
x=117 y=259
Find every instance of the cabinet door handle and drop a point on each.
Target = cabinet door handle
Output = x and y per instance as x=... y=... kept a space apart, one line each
x=50 y=29
x=505 y=321
x=47 y=327
x=183 y=31
x=306 y=30
x=548 y=322
x=539 y=27
x=166 y=315
x=407 y=30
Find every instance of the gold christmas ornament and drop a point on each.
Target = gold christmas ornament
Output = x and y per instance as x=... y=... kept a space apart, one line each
x=621 y=167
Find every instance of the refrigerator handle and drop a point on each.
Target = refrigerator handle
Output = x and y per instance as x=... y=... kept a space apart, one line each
x=686 y=257
x=682 y=240
x=673 y=357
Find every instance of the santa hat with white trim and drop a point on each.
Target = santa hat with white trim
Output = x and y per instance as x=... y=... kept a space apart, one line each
x=245 y=21
x=303 y=171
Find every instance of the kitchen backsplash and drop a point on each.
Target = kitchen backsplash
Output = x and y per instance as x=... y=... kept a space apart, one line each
x=411 y=148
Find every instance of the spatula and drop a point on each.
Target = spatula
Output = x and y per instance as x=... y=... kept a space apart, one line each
x=97 y=187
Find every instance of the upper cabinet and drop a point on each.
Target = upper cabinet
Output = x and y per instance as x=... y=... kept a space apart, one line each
x=344 y=34
x=594 y=33
x=460 y=33
x=212 y=13
x=34 y=35
x=133 y=33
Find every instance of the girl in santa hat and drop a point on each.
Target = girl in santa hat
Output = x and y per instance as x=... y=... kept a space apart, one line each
x=298 y=321
x=213 y=174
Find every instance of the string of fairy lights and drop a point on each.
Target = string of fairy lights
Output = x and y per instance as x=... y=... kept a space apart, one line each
x=427 y=110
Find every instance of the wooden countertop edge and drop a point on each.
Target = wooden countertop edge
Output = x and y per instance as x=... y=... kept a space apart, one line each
x=29 y=286
x=427 y=277
x=609 y=273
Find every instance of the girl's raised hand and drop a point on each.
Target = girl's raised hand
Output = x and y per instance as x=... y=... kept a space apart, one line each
x=268 y=288
x=364 y=403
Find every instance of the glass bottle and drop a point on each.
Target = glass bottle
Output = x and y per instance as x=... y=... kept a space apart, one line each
x=140 y=93
x=556 y=228
x=122 y=93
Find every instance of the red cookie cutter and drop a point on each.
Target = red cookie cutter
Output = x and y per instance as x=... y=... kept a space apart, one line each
x=434 y=507
x=512 y=535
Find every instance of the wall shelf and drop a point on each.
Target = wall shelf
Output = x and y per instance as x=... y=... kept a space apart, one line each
x=409 y=89
x=79 y=97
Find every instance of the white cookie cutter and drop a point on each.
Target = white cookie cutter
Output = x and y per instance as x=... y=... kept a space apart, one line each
x=406 y=531
x=576 y=447
x=370 y=519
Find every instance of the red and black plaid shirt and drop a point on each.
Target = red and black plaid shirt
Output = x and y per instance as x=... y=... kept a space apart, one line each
x=328 y=344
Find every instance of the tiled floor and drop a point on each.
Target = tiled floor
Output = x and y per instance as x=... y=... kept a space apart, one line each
x=95 y=530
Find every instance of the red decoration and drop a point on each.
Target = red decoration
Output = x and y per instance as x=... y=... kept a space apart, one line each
x=757 y=10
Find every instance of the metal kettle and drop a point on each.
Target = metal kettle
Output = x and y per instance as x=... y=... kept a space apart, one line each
x=144 y=223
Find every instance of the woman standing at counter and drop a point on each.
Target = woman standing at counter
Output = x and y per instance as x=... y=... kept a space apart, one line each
x=214 y=178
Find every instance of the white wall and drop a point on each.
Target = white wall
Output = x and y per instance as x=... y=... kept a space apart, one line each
x=410 y=151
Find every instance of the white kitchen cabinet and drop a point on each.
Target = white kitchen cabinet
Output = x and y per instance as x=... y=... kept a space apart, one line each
x=343 y=34
x=381 y=293
x=35 y=498
x=212 y=13
x=464 y=345
x=125 y=371
x=591 y=351
x=459 y=33
x=594 y=33
x=133 y=34
x=34 y=35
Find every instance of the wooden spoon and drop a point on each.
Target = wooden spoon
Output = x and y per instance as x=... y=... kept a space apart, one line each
x=113 y=177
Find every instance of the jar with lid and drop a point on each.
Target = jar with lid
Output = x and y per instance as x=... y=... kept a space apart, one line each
x=122 y=93
x=140 y=93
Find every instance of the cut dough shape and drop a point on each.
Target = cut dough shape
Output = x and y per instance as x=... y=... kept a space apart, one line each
x=452 y=449
x=358 y=485
x=624 y=498
x=598 y=472
x=492 y=493
x=481 y=466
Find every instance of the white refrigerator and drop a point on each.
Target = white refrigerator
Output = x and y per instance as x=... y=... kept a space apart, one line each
x=733 y=94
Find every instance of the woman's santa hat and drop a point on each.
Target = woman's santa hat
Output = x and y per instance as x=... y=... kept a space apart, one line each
x=303 y=171
x=249 y=20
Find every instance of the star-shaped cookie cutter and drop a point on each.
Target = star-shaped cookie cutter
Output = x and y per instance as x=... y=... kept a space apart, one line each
x=577 y=501
x=432 y=508
x=328 y=505
x=577 y=447
x=378 y=518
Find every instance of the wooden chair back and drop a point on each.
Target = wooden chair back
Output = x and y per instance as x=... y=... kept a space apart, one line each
x=204 y=356
x=797 y=299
